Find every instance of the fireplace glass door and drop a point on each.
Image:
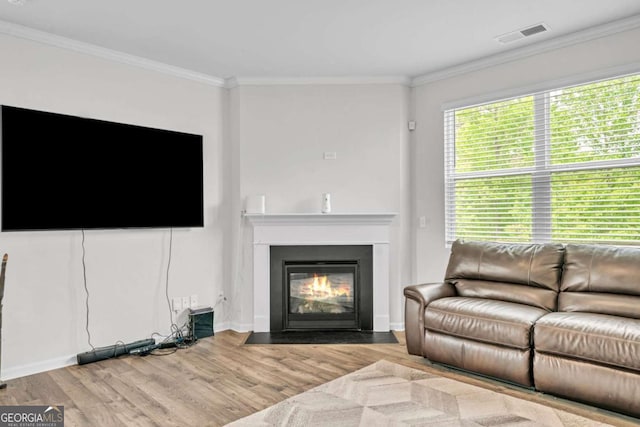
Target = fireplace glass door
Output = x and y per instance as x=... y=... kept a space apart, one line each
x=321 y=296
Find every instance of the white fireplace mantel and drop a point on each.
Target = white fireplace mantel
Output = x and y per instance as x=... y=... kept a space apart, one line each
x=319 y=219
x=320 y=229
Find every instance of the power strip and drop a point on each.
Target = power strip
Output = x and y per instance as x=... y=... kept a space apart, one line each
x=143 y=351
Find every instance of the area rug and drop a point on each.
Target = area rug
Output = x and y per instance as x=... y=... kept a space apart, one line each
x=388 y=394
x=322 y=337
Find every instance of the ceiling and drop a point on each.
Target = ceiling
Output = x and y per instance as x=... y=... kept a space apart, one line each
x=311 y=38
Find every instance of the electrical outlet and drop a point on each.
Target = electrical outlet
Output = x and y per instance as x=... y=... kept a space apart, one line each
x=176 y=304
x=330 y=155
x=185 y=302
x=194 y=301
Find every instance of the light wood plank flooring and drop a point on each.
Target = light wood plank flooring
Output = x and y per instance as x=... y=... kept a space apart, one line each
x=219 y=380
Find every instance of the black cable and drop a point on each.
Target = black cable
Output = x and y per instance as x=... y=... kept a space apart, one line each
x=163 y=351
x=176 y=331
x=166 y=285
x=86 y=290
x=176 y=335
x=177 y=338
x=118 y=343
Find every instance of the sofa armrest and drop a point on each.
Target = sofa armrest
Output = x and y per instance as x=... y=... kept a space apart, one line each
x=417 y=298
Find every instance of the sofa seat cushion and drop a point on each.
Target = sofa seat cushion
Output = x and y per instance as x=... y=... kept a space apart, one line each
x=599 y=338
x=491 y=321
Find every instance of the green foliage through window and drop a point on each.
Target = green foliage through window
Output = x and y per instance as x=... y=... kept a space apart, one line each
x=561 y=165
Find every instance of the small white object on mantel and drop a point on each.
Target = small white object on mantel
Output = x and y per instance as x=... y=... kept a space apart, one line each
x=326 y=203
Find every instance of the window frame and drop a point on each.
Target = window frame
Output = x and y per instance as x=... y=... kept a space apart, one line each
x=541 y=171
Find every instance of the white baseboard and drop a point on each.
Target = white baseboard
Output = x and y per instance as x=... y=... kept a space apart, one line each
x=241 y=327
x=222 y=326
x=399 y=326
x=35 y=368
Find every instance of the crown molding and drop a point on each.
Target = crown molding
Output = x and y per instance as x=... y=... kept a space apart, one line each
x=20 y=31
x=277 y=81
x=113 y=55
x=599 y=31
x=604 y=30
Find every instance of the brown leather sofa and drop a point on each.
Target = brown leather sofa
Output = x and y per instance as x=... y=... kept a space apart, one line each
x=561 y=319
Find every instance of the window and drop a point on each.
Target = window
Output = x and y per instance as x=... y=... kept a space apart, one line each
x=560 y=165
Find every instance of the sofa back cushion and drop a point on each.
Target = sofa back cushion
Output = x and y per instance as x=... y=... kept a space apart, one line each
x=521 y=273
x=601 y=279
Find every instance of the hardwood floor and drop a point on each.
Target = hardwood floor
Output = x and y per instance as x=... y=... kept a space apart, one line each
x=219 y=380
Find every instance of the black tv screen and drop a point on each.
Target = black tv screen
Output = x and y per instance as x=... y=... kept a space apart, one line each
x=61 y=172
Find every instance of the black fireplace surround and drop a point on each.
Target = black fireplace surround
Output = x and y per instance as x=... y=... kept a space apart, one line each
x=353 y=263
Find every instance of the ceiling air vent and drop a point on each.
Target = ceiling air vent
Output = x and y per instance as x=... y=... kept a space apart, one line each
x=522 y=33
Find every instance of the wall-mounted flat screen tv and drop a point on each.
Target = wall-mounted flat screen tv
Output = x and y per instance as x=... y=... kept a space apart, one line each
x=62 y=172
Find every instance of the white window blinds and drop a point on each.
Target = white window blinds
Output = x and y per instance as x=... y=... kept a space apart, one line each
x=560 y=165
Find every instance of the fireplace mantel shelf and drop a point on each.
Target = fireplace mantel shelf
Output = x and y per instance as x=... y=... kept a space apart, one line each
x=373 y=218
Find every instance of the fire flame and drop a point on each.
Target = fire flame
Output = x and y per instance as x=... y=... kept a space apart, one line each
x=322 y=288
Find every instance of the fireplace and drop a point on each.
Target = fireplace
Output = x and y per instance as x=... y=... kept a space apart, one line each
x=325 y=287
x=317 y=229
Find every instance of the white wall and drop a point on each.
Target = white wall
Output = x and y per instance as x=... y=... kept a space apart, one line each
x=283 y=131
x=587 y=59
x=44 y=306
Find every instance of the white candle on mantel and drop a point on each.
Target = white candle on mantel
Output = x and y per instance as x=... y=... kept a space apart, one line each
x=326 y=202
